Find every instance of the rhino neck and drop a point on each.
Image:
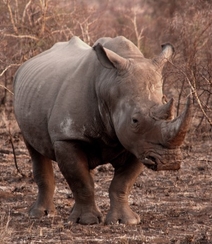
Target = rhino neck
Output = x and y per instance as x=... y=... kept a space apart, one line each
x=104 y=84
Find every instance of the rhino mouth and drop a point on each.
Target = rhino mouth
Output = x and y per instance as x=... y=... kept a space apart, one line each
x=156 y=164
x=151 y=163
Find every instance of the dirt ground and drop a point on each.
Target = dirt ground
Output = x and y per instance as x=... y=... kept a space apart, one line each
x=175 y=207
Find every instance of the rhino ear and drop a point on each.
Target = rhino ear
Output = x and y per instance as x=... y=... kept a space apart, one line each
x=164 y=56
x=109 y=59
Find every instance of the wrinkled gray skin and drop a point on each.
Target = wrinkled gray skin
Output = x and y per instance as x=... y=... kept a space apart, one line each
x=83 y=107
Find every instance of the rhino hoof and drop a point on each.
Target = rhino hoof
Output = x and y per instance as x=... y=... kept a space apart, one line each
x=129 y=218
x=86 y=219
x=40 y=212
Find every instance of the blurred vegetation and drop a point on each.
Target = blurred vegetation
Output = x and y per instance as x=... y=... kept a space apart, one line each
x=28 y=27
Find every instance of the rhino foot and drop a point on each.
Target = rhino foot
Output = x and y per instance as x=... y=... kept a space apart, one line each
x=122 y=216
x=38 y=212
x=85 y=215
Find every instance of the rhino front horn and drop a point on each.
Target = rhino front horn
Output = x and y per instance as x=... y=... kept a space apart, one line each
x=175 y=130
x=164 y=56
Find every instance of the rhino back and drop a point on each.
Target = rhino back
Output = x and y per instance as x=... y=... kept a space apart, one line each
x=51 y=94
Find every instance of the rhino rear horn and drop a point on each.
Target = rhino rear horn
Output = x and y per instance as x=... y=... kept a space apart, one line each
x=176 y=129
x=109 y=59
x=164 y=56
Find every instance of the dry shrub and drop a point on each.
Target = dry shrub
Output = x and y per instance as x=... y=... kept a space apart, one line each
x=190 y=29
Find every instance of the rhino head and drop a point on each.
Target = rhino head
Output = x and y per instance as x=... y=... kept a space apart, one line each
x=143 y=121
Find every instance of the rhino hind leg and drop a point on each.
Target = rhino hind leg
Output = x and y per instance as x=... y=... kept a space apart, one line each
x=73 y=164
x=44 y=178
x=124 y=178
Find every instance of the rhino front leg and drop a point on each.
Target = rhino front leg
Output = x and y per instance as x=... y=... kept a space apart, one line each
x=119 y=190
x=44 y=178
x=73 y=164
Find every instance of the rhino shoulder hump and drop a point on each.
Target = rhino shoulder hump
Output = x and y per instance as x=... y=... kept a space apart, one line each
x=76 y=41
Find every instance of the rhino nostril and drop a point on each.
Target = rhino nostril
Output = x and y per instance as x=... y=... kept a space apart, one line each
x=134 y=121
x=150 y=162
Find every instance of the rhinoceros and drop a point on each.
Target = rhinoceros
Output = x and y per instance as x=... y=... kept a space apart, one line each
x=84 y=106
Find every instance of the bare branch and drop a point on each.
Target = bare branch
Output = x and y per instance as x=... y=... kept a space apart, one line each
x=22 y=36
x=7 y=89
x=11 y=16
x=16 y=11
x=14 y=154
x=194 y=91
x=138 y=34
x=8 y=67
x=7 y=124
x=44 y=6
x=25 y=10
